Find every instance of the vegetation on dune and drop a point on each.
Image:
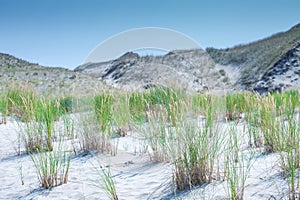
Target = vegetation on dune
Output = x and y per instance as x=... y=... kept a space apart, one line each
x=103 y=109
x=37 y=117
x=52 y=168
x=106 y=182
x=194 y=68
x=137 y=106
x=257 y=57
x=196 y=133
x=270 y=123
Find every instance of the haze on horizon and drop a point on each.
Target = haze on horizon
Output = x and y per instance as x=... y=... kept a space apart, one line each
x=63 y=33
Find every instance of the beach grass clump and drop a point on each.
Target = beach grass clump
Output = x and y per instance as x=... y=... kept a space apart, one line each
x=252 y=119
x=38 y=133
x=137 y=106
x=278 y=123
x=191 y=164
x=37 y=117
x=235 y=105
x=106 y=182
x=90 y=134
x=52 y=168
x=281 y=99
x=3 y=107
x=191 y=146
x=268 y=124
x=290 y=156
x=46 y=150
x=194 y=155
x=169 y=98
x=200 y=103
x=196 y=149
x=110 y=117
x=288 y=147
x=164 y=108
x=274 y=111
x=121 y=116
x=159 y=138
x=93 y=124
x=238 y=162
x=46 y=112
x=103 y=109
x=20 y=101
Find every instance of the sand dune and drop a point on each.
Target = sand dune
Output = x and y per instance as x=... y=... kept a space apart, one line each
x=136 y=177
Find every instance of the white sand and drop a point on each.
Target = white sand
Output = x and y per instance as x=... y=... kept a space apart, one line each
x=135 y=175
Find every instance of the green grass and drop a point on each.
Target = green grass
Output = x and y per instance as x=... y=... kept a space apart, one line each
x=192 y=149
x=103 y=109
x=235 y=105
x=275 y=127
x=121 y=116
x=170 y=99
x=137 y=106
x=3 y=107
x=288 y=145
x=190 y=131
x=106 y=182
x=238 y=163
x=39 y=127
x=37 y=116
x=271 y=123
x=20 y=102
x=52 y=168
x=195 y=157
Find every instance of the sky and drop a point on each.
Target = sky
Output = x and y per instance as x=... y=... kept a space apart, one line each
x=62 y=33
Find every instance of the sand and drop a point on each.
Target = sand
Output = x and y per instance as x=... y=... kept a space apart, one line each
x=135 y=175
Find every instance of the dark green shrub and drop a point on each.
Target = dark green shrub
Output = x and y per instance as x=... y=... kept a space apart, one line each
x=66 y=105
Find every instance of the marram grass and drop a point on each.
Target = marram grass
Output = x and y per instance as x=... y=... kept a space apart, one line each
x=186 y=130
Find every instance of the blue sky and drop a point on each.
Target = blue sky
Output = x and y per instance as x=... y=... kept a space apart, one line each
x=62 y=33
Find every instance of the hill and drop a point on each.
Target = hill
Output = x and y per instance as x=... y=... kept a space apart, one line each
x=193 y=70
x=266 y=65
x=45 y=80
x=262 y=65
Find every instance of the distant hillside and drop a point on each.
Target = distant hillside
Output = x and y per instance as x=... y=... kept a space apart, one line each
x=266 y=65
x=45 y=80
x=284 y=73
x=255 y=60
x=188 y=69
